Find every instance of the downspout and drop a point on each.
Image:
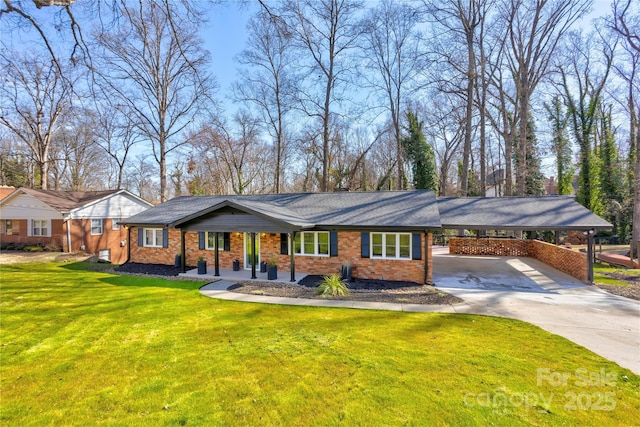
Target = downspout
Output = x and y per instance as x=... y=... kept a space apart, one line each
x=68 y=222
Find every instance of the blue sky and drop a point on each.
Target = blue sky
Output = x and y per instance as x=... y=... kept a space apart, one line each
x=225 y=35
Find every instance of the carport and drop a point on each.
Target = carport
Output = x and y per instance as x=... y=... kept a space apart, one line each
x=517 y=214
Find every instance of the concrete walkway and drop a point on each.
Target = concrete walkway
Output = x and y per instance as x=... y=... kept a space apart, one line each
x=606 y=324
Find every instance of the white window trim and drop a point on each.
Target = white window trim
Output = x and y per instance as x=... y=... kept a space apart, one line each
x=315 y=244
x=114 y=224
x=155 y=232
x=213 y=248
x=32 y=227
x=384 y=246
x=101 y=227
x=6 y=229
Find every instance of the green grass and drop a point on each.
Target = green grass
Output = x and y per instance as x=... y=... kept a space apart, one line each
x=600 y=272
x=85 y=347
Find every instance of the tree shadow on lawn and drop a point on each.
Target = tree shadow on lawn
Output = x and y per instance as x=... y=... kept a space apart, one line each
x=137 y=280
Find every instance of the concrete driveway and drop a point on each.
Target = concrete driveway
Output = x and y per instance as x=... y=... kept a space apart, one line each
x=529 y=290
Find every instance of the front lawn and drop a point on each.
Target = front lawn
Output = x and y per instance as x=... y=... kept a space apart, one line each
x=85 y=347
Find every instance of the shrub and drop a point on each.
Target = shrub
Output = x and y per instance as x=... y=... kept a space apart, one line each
x=33 y=248
x=332 y=285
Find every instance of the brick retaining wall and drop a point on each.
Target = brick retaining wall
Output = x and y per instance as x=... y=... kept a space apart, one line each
x=570 y=262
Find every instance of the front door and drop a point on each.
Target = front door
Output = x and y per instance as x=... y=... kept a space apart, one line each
x=249 y=251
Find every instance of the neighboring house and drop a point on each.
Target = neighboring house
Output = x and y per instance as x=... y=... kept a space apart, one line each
x=5 y=191
x=70 y=220
x=495 y=183
x=385 y=234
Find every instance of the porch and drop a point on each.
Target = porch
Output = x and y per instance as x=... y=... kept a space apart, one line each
x=243 y=275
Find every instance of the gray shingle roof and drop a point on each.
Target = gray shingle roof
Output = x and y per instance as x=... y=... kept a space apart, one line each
x=397 y=210
x=387 y=209
x=521 y=213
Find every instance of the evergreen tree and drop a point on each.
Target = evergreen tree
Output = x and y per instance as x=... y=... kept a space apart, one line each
x=534 y=179
x=420 y=154
x=561 y=145
x=611 y=177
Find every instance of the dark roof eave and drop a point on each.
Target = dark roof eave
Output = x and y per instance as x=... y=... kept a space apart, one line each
x=526 y=228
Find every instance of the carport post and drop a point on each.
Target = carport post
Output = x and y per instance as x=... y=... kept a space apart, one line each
x=590 y=255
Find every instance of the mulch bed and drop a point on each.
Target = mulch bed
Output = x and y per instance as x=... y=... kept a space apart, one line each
x=631 y=291
x=360 y=290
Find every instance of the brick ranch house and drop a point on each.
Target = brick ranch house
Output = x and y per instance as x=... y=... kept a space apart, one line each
x=73 y=221
x=379 y=234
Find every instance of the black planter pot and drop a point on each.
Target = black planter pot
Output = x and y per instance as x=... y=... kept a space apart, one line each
x=178 y=260
x=236 y=265
x=202 y=267
x=263 y=267
x=272 y=272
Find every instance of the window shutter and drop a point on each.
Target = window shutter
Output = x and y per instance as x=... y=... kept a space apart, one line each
x=165 y=238
x=140 y=236
x=333 y=243
x=201 y=240
x=284 y=244
x=364 y=245
x=416 y=246
x=227 y=241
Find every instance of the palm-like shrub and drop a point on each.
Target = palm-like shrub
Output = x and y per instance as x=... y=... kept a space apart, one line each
x=332 y=285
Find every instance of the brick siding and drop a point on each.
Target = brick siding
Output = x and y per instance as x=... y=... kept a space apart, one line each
x=348 y=251
x=570 y=262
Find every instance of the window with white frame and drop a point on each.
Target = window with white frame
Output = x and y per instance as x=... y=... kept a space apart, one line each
x=312 y=243
x=391 y=245
x=96 y=227
x=211 y=241
x=40 y=227
x=114 y=224
x=153 y=237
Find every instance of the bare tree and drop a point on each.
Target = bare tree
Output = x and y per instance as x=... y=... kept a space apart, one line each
x=627 y=24
x=154 y=63
x=392 y=47
x=583 y=80
x=463 y=19
x=267 y=83
x=533 y=31
x=326 y=30
x=33 y=100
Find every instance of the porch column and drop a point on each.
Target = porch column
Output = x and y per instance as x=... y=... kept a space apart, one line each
x=292 y=267
x=428 y=258
x=183 y=261
x=254 y=256
x=216 y=261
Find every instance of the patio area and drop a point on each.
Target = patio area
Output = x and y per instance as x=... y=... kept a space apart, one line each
x=243 y=275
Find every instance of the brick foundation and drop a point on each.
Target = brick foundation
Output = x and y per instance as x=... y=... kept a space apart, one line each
x=348 y=251
x=570 y=262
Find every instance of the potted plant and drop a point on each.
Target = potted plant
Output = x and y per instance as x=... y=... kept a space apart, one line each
x=236 y=265
x=202 y=265
x=263 y=267
x=177 y=261
x=346 y=271
x=272 y=271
